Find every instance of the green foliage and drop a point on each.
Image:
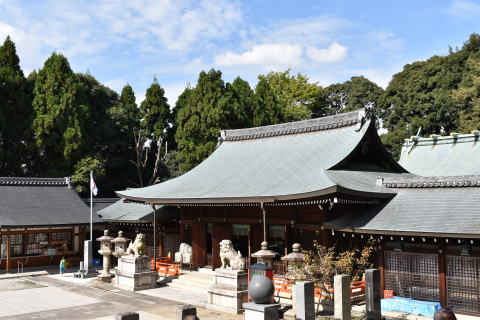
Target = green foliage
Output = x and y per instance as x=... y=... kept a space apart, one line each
x=203 y=111
x=80 y=179
x=298 y=98
x=59 y=116
x=15 y=113
x=155 y=112
x=467 y=96
x=421 y=95
x=268 y=109
x=354 y=94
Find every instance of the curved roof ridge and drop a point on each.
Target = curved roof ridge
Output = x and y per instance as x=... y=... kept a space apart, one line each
x=33 y=181
x=317 y=124
x=433 y=182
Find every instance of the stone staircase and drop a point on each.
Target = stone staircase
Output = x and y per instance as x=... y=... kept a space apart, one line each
x=197 y=281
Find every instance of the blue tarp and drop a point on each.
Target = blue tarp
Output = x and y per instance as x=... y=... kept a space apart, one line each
x=424 y=308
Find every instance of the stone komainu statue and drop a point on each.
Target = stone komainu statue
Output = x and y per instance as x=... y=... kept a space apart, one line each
x=184 y=254
x=137 y=247
x=231 y=259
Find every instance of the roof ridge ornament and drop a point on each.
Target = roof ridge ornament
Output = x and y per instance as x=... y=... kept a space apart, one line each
x=310 y=125
x=433 y=182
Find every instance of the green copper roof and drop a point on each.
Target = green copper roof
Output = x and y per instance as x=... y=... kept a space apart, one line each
x=442 y=156
x=279 y=162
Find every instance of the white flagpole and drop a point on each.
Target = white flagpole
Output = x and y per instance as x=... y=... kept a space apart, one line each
x=91 y=206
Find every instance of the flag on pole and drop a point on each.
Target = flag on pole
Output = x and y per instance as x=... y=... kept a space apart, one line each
x=93 y=186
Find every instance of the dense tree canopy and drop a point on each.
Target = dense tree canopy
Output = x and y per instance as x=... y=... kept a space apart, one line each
x=56 y=122
x=15 y=113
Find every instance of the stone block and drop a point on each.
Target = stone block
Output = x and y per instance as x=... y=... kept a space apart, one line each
x=304 y=300
x=134 y=274
x=372 y=294
x=342 y=302
x=254 y=311
x=183 y=312
x=228 y=291
x=127 y=316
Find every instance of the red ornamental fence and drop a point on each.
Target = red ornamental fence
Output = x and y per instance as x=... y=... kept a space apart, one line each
x=357 y=288
x=165 y=266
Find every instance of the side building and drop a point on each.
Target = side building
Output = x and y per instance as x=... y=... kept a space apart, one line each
x=41 y=220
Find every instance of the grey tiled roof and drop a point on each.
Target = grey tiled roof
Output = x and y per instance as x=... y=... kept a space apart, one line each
x=278 y=167
x=33 y=181
x=432 y=182
x=442 y=156
x=46 y=203
x=438 y=212
x=134 y=212
x=318 y=124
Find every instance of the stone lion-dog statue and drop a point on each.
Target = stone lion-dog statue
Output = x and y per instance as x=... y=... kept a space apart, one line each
x=137 y=247
x=231 y=259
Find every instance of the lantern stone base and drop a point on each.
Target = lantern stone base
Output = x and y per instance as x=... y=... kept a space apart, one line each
x=134 y=274
x=228 y=291
x=105 y=277
x=254 y=311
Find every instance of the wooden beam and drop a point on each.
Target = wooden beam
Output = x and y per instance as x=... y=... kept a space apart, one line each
x=442 y=276
x=9 y=254
x=381 y=268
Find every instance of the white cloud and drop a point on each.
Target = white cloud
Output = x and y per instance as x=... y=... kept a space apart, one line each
x=282 y=55
x=464 y=10
x=334 y=53
x=277 y=54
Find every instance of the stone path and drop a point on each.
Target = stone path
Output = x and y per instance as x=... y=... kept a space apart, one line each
x=183 y=296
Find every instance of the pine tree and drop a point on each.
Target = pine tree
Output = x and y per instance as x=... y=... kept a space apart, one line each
x=59 y=117
x=155 y=112
x=15 y=113
x=267 y=110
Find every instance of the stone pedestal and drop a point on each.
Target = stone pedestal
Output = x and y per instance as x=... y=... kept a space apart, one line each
x=372 y=294
x=254 y=311
x=228 y=291
x=342 y=303
x=88 y=257
x=134 y=274
x=304 y=300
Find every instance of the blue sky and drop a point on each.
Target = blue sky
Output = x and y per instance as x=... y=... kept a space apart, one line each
x=329 y=41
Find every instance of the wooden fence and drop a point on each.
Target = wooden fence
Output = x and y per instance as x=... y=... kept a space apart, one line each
x=164 y=266
x=282 y=285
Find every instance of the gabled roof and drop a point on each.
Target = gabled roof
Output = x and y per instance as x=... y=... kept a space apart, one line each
x=121 y=211
x=266 y=164
x=440 y=206
x=442 y=155
x=40 y=202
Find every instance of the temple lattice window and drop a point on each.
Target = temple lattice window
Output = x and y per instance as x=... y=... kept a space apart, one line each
x=412 y=275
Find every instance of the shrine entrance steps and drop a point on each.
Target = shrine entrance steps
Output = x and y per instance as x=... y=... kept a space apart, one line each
x=198 y=281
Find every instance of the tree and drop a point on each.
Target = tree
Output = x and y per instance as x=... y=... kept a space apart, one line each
x=15 y=113
x=155 y=113
x=267 y=110
x=467 y=96
x=298 y=98
x=356 y=93
x=59 y=117
x=421 y=95
x=80 y=179
x=206 y=109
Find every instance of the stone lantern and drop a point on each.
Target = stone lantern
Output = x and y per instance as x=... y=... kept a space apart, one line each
x=293 y=258
x=120 y=243
x=264 y=255
x=106 y=252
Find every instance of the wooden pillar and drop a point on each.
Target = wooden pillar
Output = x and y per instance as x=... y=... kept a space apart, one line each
x=199 y=244
x=288 y=240
x=8 y=266
x=442 y=274
x=220 y=231
x=256 y=237
x=381 y=268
